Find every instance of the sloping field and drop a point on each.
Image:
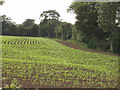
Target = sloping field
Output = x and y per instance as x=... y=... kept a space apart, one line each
x=35 y=62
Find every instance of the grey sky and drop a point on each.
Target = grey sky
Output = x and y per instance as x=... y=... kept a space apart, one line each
x=19 y=10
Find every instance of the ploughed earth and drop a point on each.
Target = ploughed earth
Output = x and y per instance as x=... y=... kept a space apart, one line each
x=85 y=49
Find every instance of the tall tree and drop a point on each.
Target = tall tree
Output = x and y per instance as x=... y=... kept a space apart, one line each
x=21 y=30
x=86 y=23
x=51 y=25
x=50 y=14
x=87 y=28
x=43 y=28
x=34 y=30
x=8 y=27
x=49 y=20
x=29 y=22
x=30 y=28
x=64 y=31
x=106 y=19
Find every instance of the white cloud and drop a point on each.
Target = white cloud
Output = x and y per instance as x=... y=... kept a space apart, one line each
x=19 y=10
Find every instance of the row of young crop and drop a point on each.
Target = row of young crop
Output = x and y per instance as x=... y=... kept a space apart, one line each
x=24 y=41
x=56 y=75
x=54 y=65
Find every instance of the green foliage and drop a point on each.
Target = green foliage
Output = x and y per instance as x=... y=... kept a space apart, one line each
x=82 y=45
x=93 y=43
x=8 y=27
x=86 y=24
x=103 y=45
x=28 y=28
x=47 y=28
x=74 y=32
x=41 y=62
x=64 y=31
x=14 y=85
x=116 y=43
x=43 y=29
x=28 y=22
x=49 y=21
x=50 y=14
x=107 y=15
x=96 y=20
x=51 y=25
x=106 y=19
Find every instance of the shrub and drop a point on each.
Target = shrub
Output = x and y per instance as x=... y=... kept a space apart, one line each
x=92 y=43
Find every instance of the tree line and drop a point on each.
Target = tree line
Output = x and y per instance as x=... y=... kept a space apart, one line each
x=50 y=26
x=97 y=25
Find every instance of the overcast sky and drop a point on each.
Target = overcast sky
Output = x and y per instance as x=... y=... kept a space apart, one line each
x=19 y=10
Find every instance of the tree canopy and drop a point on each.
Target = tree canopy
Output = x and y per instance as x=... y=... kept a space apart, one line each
x=50 y=19
x=50 y=14
x=96 y=24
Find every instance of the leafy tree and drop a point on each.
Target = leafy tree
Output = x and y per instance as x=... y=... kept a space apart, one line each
x=28 y=22
x=43 y=29
x=8 y=27
x=64 y=30
x=47 y=27
x=51 y=25
x=96 y=24
x=34 y=30
x=74 y=33
x=21 y=30
x=106 y=19
x=86 y=24
x=29 y=28
x=49 y=21
x=50 y=14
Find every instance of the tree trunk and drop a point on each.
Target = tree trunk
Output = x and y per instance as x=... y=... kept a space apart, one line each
x=111 y=46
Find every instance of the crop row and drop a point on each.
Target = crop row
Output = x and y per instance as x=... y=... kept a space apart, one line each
x=55 y=65
x=39 y=74
x=23 y=41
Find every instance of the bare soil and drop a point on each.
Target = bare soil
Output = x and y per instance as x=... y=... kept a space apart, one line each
x=84 y=49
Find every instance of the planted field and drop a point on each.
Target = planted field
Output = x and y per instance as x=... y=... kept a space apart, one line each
x=35 y=62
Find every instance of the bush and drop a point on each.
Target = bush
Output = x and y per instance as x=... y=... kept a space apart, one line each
x=92 y=43
x=116 y=45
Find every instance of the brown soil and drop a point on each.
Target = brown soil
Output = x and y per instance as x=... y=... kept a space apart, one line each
x=84 y=49
x=0 y=83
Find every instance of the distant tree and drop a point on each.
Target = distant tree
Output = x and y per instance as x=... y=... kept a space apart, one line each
x=21 y=30
x=50 y=14
x=34 y=30
x=74 y=33
x=43 y=28
x=8 y=27
x=64 y=30
x=29 y=28
x=29 y=22
x=49 y=20
x=51 y=25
